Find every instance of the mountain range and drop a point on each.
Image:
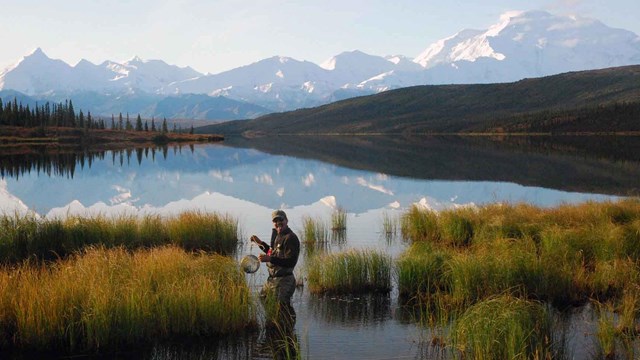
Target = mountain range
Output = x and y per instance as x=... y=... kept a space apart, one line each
x=602 y=100
x=520 y=45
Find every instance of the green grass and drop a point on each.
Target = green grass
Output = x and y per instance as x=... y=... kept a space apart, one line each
x=315 y=231
x=348 y=272
x=389 y=227
x=422 y=270
x=561 y=257
x=418 y=224
x=504 y=327
x=23 y=237
x=108 y=298
x=339 y=219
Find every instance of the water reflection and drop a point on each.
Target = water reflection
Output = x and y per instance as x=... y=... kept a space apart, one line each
x=373 y=179
x=360 y=310
x=602 y=164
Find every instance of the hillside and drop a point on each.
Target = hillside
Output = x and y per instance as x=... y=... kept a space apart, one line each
x=468 y=108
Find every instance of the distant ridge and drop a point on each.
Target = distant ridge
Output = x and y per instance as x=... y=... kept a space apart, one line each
x=517 y=106
x=521 y=44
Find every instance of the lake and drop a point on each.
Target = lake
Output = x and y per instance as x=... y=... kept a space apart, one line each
x=371 y=177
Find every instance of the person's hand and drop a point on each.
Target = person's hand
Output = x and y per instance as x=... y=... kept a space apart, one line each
x=256 y=240
x=264 y=258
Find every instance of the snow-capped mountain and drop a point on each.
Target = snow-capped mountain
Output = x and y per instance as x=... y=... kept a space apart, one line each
x=283 y=83
x=520 y=45
x=37 y=74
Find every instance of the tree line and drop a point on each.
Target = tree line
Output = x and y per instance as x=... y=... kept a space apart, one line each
x=14 y=113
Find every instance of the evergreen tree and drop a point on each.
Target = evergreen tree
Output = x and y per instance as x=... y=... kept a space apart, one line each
x=113 y=123
x=164 y=126
x=81 y=120
x=90 y=123
x=120 y=122
x=146 y=126
x=153 y=125
x=138 y=123
x=191 y=130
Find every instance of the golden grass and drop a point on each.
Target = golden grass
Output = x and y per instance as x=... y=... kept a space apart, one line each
x=106 y=298
x=23 y=237
x=462 y=262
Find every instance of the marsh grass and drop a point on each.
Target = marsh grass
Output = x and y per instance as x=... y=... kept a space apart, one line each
x=504 y=327
x=422 y=270
x=563 y=256
x=456 y=227
x=23 y=237
x=339 y=219
x=351 y=271
x=389 y=227
x=108 y=298
x=315 y=235
x=418 y=224
x=606 y=333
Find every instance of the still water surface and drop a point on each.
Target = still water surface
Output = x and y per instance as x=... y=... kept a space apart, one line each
x=371 y=179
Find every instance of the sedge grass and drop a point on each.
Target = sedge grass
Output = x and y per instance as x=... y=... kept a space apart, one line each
x=417 y=224
x=339 y=219
x=422 y=270
x=504 y=327
x=565 y=255
x=108 y=298
x=351 y=271
x=23 y=237
x=315 y=234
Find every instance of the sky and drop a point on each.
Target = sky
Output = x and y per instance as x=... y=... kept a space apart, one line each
x=213 y=36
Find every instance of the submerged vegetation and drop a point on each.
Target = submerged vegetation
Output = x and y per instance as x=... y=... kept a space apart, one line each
x=462 y=262
x=108 y=298
x=24 y=237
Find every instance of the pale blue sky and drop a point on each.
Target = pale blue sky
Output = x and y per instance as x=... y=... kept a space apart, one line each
x=218 y=35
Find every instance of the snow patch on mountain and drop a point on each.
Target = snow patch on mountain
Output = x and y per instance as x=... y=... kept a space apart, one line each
x=519 y=45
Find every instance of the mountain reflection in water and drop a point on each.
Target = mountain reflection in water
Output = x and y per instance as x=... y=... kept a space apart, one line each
x=597 y=164
x=371 y=177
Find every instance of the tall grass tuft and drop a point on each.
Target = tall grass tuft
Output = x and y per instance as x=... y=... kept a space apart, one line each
x=351 y=271
x=315 y=231
x=606 y=333
x=456 y=227
x=504 y=327
x=339 y=219
x=422 y=270
x=108 y=298
x=23 y=237
x=420 y=225
x=204 y=231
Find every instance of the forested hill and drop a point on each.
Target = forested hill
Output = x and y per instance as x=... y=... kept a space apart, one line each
x=596 y=100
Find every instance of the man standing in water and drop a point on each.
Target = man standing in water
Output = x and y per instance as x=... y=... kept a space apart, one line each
x=281 y=258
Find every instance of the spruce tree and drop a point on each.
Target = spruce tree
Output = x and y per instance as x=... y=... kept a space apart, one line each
x=138 y=123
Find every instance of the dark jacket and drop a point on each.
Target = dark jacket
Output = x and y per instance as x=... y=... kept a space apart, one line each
x=285 y=249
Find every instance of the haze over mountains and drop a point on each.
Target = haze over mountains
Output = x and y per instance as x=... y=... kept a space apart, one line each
x=520 y=45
